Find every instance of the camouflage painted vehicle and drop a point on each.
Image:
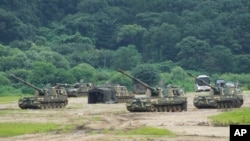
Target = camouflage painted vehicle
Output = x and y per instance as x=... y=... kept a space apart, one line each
x=139 y=89
x=172 y=99
x=77 y=89
x=122 y=93
x=48 y=98
x=226 y=95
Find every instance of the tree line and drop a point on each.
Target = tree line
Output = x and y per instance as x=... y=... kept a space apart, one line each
x=60 y=40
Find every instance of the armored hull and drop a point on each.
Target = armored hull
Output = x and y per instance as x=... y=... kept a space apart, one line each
x=150 y=104
x=222 y=95
x=217 y=102
x=51 y=97
x=43 y=102
x=124 y=99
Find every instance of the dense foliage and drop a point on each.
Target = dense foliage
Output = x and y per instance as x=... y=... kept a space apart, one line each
x=69 y=40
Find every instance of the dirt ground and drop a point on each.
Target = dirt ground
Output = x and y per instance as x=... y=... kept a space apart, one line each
x=192 y=125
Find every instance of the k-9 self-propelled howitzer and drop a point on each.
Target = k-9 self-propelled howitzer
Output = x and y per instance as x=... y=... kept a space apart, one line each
x=51 y=97
x=154 y=91
x=77 y=89
x=170 y=100
x=225 y=96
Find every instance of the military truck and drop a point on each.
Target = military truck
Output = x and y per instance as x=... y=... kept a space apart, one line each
x=223 y=95
x=171 y=99
x=77 y=89
x=48 y=98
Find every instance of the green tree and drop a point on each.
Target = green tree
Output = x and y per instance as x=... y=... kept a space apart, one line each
x=121 y=80
x=83 y=23
x=8 y=26
x=91 y=6
x=87 y=54
x=177 y=74
x=84 y=71
x=160 y=43
x=219 y=59
x=55 y=58
x=43 y=73
x=193 y=52
x=242 y=63
x=13 y=59
x=64 y=76
x=130 y=34
x=126 y=58
x=3 y=79
x=105 y=58
x=109 y=20
x=146 y=73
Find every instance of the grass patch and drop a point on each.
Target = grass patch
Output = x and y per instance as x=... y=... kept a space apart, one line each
x=236 y=116
x=96 y=118
x=9 y=129
x=147 y=130
x=9 y=112
x=9 y=99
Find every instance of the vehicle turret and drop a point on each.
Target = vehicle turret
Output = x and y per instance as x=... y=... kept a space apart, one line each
x=154 y=91
x=155 y=101
x=222 y=96
x=53 y=97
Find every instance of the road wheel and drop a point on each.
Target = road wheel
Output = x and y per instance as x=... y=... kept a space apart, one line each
x=165 y=109
x=169 y=109
x=43 y=106
x=160 y=109
x=178 y=108
x=152 y=108
x=173 y=109
x=225 y=105
x=218 y=106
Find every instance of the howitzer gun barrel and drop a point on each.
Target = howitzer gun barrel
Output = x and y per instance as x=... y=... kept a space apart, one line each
x=26 y=83
x=137 y=80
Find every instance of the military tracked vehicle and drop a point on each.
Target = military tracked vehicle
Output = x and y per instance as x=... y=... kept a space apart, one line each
x=48 y=98
x=172 y=99
x=121 y=92
x=220 y=96
x=77 y=89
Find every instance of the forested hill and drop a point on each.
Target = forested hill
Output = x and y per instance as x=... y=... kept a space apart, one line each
x=202 y=35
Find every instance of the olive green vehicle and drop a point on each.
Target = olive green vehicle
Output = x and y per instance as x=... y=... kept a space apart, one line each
x=227 y=95
x=49 y=98
x=78 y=89
x=122 y=93
x=172 y=99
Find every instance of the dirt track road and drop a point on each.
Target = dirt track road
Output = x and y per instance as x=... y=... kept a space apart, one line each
x=192 y=125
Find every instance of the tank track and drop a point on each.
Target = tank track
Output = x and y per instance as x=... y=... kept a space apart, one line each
x=123 y=99
x=169 y=108
x=224 y=104
x=230 y=104
x=164 y=108
x=57 y=105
